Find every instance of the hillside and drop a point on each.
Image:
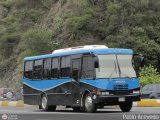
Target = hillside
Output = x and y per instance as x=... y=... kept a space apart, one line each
x=34 y=27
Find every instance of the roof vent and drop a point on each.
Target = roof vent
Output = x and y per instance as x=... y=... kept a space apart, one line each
x=79 y=48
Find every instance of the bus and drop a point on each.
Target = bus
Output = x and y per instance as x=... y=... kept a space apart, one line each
x=82 y=78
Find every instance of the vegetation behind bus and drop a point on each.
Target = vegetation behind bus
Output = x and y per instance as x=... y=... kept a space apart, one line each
x=149 y=75
x=27 y=25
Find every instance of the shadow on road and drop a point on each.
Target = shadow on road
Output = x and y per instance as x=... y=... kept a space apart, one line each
x=71 y=111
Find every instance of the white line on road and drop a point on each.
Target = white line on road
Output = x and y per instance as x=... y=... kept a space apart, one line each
x=43 y=119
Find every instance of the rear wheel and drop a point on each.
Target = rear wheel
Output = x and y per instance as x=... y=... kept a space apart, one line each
x=126 y=106
x=89 y=106
x=44 y=104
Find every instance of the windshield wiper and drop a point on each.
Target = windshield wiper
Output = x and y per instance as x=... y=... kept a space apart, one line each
x=119 y=70
x=115 y=69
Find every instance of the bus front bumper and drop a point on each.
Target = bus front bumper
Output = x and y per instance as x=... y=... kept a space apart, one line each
x=115 y=99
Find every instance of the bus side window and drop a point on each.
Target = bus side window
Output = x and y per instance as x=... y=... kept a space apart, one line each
x=54 y=69
x=37 y=69
x=28 y=68
x=65 y=66
x=47 y=68
x=87 y=67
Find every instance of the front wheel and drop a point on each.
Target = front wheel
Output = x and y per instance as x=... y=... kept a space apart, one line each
x=89 y=106
x=126 y=106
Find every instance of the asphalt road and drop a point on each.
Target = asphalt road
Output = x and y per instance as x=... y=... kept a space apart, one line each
x=29 y=113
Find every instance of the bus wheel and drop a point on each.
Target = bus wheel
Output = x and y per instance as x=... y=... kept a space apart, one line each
x=44 y=104
x=126 y=106
x=89 y=105
x=76 y=109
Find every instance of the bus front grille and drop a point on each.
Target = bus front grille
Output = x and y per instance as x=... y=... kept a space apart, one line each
x=120 y=87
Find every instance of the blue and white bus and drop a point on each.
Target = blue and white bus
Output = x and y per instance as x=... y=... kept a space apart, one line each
x=83 y=78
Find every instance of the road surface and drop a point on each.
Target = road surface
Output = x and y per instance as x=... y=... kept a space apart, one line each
x=33 y=113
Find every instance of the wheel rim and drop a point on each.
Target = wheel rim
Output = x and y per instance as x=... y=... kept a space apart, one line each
x=88 y=102
x=44 y=102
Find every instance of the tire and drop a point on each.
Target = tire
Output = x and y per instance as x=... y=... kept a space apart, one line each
x=76 y=109
x=44 y=104
x=126 y=106
x=89 y=106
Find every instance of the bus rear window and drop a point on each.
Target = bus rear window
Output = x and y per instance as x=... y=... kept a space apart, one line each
x=28 y=68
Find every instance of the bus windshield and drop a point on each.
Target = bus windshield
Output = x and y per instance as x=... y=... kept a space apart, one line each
x=115 y=66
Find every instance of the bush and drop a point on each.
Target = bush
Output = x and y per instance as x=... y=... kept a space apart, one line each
x=7 y=4
x=39 y=41
x=149 y=75
x=77 y=23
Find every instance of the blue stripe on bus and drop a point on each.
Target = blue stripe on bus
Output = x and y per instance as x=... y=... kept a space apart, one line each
x=106 y=84
x=44 y=85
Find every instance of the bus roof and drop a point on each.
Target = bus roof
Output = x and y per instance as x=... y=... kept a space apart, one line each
x=99 y=51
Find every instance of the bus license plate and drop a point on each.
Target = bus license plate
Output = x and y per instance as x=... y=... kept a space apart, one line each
x=121 y=99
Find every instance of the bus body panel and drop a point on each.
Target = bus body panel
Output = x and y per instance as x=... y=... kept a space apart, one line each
x=63 y=91
x=108 y=84
x=68 y=91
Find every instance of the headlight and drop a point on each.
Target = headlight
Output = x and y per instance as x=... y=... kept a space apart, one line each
x=105 y=93
x=136 y=91
x=102 y=93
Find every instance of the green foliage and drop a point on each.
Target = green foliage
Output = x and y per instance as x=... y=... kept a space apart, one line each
x=81 y=2
x=39 y=41
x=149 y=75
x=7 y=3
x=31 y=15
x=20 y=3
x=9 y=36
x=62 y=2
x=58 y=23
x=78 y=20
x=33 y=27
x=47 y=3
x=78 y=23
x=113 y=8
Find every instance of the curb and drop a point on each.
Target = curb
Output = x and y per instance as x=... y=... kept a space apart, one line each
x=15 y=104
x=147 y=103
x=142 y=103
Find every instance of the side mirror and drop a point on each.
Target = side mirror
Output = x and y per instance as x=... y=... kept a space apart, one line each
x=138 y=61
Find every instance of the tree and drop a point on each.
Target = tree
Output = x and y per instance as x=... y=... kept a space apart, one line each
x=39 y=41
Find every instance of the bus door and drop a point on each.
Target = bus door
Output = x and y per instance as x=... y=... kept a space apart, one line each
x=76 y=68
